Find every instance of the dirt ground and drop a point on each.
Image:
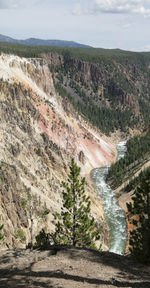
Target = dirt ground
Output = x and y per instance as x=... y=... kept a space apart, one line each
x=70 y=268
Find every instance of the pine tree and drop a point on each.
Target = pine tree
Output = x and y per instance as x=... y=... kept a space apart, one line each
x=139 y=211
x=74 y=225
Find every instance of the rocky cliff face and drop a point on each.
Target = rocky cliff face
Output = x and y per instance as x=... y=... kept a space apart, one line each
x=39 y=135
x=112 y=81
x=114 y=85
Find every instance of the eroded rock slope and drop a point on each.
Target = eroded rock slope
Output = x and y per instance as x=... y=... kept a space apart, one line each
x=40 y=133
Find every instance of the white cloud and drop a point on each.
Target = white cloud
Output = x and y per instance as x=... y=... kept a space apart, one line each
x=141 y=7
x=77 y=10
x=127 y=25
x=122 y=6
x=16 y=4
x=81 y=8
x=7 y=4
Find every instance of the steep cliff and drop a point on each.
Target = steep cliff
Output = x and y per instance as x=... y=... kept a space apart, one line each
x=114 y=85
x=40 y=132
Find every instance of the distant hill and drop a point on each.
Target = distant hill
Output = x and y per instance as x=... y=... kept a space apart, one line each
x=40 y=42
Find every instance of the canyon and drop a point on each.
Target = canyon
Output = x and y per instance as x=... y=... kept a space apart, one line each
x=57 y=104
x=40 y=132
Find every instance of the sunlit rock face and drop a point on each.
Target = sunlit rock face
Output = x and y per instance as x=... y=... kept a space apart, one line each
x=39 y=135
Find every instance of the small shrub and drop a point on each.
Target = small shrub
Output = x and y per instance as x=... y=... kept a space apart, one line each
x=42 y=239
x=20 y=235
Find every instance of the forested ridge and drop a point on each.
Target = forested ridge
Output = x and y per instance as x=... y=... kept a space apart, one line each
x=139 y=218
x=109 y=88
x=135 y=182
x=138 y=152
x=85 y=54
x=107 y=121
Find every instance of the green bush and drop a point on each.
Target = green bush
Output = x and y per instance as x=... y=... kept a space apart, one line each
x=20 y=235
x=43 y=239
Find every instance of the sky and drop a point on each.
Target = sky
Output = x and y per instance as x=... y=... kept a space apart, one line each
x=123 y=24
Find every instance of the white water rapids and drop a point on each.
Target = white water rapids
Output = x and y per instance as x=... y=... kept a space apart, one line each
x=115 y=216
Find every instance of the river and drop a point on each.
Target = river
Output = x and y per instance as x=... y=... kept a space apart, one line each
x=115 y=216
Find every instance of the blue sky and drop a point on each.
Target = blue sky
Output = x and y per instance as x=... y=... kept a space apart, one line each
x=121 y=24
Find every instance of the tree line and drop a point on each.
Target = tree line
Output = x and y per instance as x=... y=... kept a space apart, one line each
x=137 y=153
x=139 y=216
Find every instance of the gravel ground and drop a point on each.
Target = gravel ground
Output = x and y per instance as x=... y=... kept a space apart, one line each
x=70 y=268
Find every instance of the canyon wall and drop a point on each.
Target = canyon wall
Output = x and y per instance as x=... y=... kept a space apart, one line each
x=40 y=132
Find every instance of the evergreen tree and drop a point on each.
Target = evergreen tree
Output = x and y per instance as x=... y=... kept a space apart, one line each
x=139 y=211
x=74 y=226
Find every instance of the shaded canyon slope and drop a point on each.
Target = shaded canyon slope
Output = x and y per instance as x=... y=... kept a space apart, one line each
x=108 y=87
x=40 y=132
